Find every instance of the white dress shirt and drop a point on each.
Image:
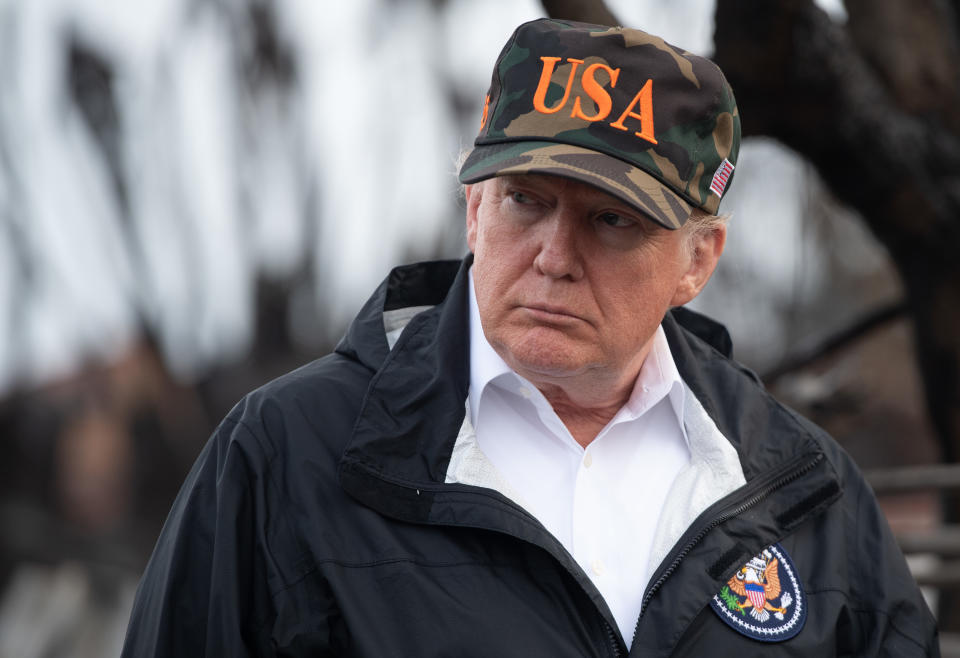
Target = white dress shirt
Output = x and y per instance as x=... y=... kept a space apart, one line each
x=603 y=503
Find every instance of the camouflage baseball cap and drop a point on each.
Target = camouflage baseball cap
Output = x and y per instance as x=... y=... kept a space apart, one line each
x=619 y=109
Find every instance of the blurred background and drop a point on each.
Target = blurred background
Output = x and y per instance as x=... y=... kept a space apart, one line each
x=197 y=195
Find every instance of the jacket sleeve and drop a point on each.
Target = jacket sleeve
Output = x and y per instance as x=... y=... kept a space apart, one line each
x=892 y=616
x=204 y=591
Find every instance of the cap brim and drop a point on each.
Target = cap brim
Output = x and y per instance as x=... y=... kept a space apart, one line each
x=633 y=186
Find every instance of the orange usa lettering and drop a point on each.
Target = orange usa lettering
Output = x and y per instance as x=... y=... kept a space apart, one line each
x=643 y=100
x=486 y=110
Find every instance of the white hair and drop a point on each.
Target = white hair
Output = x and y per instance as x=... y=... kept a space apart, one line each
x=700 y=224
x=457 y=166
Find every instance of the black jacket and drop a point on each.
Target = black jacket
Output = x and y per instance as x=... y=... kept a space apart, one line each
x=316 y=522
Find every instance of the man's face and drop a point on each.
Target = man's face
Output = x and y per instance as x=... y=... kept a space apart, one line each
x=570 y=281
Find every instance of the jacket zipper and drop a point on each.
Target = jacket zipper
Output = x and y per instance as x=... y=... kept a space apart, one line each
x=611 y=634
x=613 y=639
x=782 y=481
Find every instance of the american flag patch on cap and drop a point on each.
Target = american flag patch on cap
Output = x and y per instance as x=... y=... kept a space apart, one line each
x=721 y=178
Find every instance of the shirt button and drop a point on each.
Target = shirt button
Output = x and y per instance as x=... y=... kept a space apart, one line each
x=526 y=393
x=597 y=567
x=588 y=460
x=646 y=389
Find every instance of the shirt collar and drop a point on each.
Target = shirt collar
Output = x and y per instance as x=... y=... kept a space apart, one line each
x=658 y=378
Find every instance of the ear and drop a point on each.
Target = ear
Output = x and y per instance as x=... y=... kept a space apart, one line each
x=474 y=194
x=704 y=255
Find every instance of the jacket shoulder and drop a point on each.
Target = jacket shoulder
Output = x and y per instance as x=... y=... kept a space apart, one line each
x=300 y=410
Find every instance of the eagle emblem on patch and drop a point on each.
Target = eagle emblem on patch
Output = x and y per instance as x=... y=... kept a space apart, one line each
x=763 y=599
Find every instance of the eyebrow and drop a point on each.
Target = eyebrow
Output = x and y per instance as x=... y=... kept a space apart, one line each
x=616 y=204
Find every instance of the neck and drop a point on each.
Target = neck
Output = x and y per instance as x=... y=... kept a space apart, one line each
x=583 y=419
x=587 y=401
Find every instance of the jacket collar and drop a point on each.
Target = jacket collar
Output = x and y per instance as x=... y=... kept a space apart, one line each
x=763 y=431
x=417 y=286
x=398 y=455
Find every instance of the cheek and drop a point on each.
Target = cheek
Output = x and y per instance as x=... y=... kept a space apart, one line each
x=500 y=254
x=490 y=277
x=639 y=300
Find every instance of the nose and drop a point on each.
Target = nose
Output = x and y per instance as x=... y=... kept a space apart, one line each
x=559 y=256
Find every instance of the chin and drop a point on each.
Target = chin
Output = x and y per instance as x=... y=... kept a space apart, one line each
x=545 y=359
x=544 y=370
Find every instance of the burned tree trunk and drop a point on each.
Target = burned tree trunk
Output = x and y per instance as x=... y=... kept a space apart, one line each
x=873 y=106
x=586 y=11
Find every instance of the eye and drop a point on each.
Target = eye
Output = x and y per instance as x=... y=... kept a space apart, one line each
x=521 y=198
x=614 y=220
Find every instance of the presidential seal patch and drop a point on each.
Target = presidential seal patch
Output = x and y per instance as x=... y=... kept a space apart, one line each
x=764 y=600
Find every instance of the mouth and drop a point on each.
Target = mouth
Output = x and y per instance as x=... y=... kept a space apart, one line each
x=551 y=314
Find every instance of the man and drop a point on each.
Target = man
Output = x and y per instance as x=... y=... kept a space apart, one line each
x=537 y=452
